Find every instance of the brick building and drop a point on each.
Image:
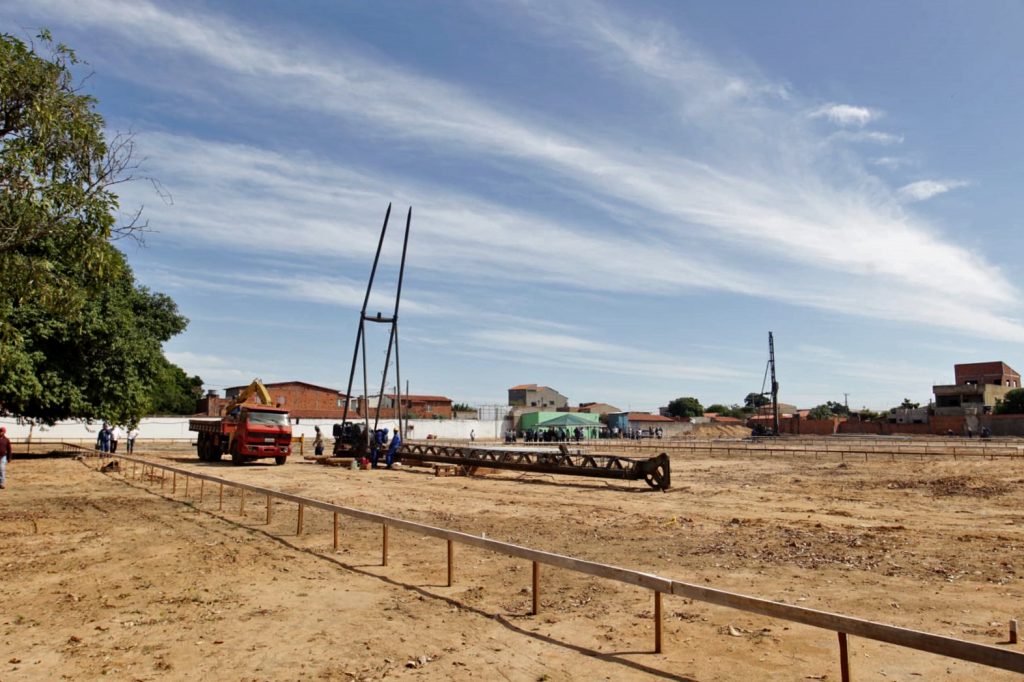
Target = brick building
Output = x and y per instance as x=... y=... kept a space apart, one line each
x=532 y=395
x=413 y=406
x=979 y=387
x=597 y=408
x=309 y=401
x=993 y=373
x=301 y=399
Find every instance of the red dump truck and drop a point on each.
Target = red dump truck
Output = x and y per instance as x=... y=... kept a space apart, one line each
x=247 y=431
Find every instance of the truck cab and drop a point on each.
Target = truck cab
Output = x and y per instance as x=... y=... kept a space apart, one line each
x=260 y=431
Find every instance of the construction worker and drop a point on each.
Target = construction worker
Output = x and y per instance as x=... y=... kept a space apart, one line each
x=318 y=442
x=5 y=455
x=380 y=439
x=396 y=442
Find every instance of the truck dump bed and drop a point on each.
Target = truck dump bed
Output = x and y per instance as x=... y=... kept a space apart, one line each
x=206 y=425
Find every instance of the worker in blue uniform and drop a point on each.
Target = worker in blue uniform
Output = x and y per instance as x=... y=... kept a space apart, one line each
x=396 y=442
x=380 y=439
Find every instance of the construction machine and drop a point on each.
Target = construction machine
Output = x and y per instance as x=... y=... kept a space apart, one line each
x=250 y=427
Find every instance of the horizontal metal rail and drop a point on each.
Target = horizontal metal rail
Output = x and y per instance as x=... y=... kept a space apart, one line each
x=950 y=647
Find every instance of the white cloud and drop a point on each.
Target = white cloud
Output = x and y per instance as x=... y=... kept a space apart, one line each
x=563 y=350
x=873 y=136
x=926 y=189
x=846 y=115
x=723 y=221
x=892 y=162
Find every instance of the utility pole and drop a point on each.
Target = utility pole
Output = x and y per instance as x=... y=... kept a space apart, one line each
x=775 y=385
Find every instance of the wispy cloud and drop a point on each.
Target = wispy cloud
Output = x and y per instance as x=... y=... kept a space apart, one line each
x=216 y=371
x=563 y=350
x=767 y=192
x=873 y=136
x=846 y=114
x=926 y=189
x=891 y=162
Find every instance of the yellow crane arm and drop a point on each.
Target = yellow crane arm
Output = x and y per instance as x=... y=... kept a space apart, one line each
x=256 y=388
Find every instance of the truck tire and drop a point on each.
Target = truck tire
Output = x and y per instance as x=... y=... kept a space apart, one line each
x=237 y=459
x=202 y=447
x=280 y=460
x=213 y=453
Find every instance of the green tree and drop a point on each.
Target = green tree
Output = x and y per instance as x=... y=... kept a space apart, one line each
x=174 y=391
x=867 y=415
x=838 y=408
x=1012 y=402
x=727 y=410
x=908 y=405
x=754 y=400
x=685 y=407
x=78 y=339
x=820 y=412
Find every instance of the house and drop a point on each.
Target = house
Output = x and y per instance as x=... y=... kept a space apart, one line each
x=413 y=406
x=302 y=400
x=597 y=408
x=532 y=395
x=979 y=387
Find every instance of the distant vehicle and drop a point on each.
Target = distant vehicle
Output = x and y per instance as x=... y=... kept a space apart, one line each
x=350 y=440
x=248 y=430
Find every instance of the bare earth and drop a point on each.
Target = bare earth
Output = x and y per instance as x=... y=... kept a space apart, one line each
x=107 y=577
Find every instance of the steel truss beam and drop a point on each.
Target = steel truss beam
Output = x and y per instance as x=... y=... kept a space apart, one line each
x=654 y=471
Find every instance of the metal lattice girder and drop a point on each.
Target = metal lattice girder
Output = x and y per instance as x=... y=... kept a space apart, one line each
x=655 y=470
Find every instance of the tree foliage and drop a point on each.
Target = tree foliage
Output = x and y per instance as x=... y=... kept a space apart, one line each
x=754 y=400
x=728 y=410
x=685 y=407
x=820 y=412
x=838 y=408
x=907 y=404
x=78 y=338
x=1012 y=402
x=173 y=391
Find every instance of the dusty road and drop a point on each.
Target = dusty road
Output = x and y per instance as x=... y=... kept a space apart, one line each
x=106 y=577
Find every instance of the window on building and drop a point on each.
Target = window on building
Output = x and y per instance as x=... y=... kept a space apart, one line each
x=533 y=404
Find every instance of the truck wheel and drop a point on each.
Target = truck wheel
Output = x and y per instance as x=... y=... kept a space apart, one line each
x=236 y=458
x=280 y=460
x=201 y=447
x=213 y=453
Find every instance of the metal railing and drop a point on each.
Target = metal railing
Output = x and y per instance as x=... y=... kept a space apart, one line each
x=843 y=625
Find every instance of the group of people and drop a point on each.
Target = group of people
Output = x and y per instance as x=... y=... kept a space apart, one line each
x=380 y=442
x=549 y=435
x=109 y=436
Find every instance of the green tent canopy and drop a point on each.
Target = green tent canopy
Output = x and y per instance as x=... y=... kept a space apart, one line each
x=568 y=419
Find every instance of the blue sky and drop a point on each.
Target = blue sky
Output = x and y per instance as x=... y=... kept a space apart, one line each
x=618 y=200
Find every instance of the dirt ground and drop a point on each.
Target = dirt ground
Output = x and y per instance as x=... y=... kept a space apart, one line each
x=123 y=579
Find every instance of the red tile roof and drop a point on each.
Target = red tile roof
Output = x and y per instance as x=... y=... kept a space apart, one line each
x=647 y=417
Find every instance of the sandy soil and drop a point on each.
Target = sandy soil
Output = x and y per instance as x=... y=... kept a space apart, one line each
x=107 y=577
